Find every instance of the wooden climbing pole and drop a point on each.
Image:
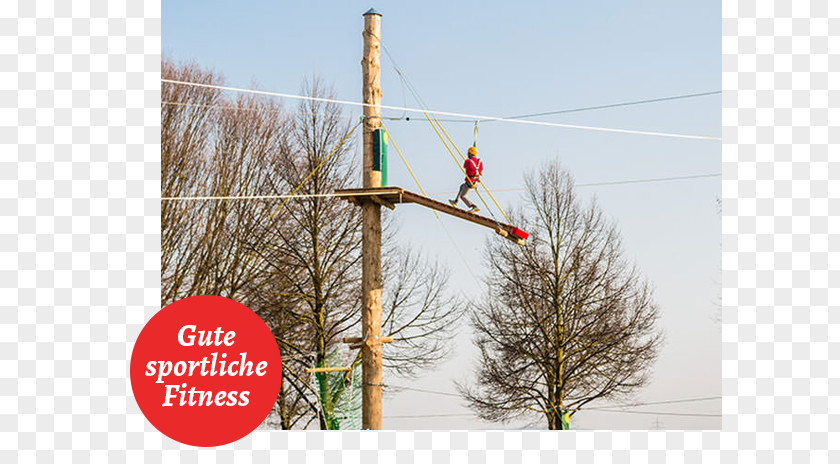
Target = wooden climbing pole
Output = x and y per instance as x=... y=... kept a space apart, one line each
x=371 y=199
x=371 y=231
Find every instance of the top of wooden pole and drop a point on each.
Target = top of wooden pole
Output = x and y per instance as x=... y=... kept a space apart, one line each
x=372 y=12
x=371 y=96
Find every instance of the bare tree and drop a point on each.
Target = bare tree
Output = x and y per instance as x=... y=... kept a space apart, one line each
x=312 y=247
x=187 y=121
x=313 y=251
x=247 y=131
x=567 y=320
x=211 y=147
x=418 y=312
x=271 y=298
x=294 y=261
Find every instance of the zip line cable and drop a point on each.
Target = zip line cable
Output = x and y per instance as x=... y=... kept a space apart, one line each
x=591 y=108
x=444 y=113
x=616 y=105
x=322 y=195
x=619 y=182
x=521 y=116
x=245 y=108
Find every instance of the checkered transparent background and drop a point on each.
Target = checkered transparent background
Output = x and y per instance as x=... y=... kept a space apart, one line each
x=79 y=252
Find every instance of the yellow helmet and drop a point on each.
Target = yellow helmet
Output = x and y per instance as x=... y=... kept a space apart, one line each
x=472 y=150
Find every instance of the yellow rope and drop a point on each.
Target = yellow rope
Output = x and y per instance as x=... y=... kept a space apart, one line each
x=315 y=170
x=455 y=146
x=446 y=145
x=486 y=189
x=252 y=256
x=388 y=133
x=437 y=215
x=456 y=160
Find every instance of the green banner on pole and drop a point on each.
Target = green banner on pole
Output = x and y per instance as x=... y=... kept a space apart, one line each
x=380 y=154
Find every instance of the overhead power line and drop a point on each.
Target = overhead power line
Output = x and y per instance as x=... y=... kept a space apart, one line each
x=445 y=113
x=656 y=413
x=688 y=400
x=604 y=409
x=628 y=405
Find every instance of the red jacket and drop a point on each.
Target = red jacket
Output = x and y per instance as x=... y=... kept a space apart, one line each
x=474 y=168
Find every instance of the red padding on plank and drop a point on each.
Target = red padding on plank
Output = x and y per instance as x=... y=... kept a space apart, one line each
x=519 y=233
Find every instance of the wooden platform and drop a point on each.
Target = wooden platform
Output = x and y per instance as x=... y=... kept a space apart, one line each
x=389 y=197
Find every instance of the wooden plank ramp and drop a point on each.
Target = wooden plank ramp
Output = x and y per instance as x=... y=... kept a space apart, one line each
x=391 y=196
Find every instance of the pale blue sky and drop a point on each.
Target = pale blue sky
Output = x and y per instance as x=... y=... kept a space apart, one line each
x=497 y=58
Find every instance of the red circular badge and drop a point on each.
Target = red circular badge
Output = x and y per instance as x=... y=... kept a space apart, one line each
x=205 y=371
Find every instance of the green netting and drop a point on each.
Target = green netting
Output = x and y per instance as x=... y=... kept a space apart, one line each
x=348 y=409
x=340 y=395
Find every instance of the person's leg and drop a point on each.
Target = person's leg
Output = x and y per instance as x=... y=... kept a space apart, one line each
x=457 y=196
x=462 y=194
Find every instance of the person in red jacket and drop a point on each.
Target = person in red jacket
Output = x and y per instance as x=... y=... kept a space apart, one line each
x=474 y=169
